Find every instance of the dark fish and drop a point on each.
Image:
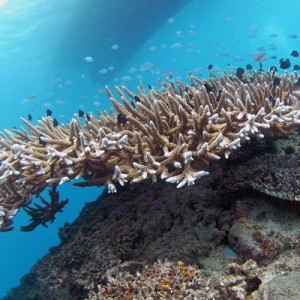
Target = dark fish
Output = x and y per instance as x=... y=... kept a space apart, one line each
x=295 y=53
x=41 y=142
x=273 y=69
x=273 y=57
x=240 y=73
x=88 y=117
x=120 y=212
x=190 y=96
x=121 y=119
x=249 y=67
x=260 y=70
x=159 y=205
x=208 y=88
x=149 y=87
x=219 y=95
x=296 y=67
x=55 y=122
x=80 y=113
x=284 y=63
x=276 y=81
x=137 y=99
x=132 y=103
x=293 y=36
x=48 y=112
x=29 y=117
x=272 y=101
x=210 y=67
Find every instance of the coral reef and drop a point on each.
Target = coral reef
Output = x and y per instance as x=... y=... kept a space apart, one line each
x=149 y=239
x=172 y=135
x=163 y=280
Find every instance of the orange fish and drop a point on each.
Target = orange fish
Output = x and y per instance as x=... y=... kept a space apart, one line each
x=260 y=57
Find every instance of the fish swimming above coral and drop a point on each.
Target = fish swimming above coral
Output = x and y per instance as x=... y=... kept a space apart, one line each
x=121 y=26
x=171 y=135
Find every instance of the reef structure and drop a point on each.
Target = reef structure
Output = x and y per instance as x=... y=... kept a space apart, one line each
x=172 y=134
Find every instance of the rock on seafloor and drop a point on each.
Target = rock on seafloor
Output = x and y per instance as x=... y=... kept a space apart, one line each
x=213 y=240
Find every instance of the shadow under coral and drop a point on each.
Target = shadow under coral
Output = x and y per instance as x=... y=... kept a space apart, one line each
x=236 y=208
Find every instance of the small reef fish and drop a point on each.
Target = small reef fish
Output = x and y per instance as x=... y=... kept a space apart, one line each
x=176 y=46
x=60 y=102
x=121 y=119
x=239 y=58
x=260 y=57
x=296 y=67
x=147 y=66
x=46 y=105
x=137 y=99
x=80 y=113
x=114 y=47
x=261 y=49
x=126 y=78
x=152 y=48
x=41 y=142
x=158 y=205
x=229 y=253
x=48 y=112
x=88 y=59
x=284 y=63
x=293 y=36
x=31 y=97
x=273 y=69
x=276 y=81
x=55 y=122
x=228 y=20
x=103 y=71
x=240 y=73
x=295 y=53
x=171 y=20
x=249 y=67
x=29 y=117
x=132 y=70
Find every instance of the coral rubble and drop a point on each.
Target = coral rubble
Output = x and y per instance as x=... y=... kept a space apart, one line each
x=171 y=135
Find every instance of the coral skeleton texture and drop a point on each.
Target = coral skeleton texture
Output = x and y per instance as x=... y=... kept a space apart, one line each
x=172 y=134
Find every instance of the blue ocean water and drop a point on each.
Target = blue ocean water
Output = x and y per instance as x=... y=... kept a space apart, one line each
x=45 y=64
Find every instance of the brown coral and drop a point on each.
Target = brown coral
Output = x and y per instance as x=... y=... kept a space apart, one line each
x=171 y=135
x=163 y=280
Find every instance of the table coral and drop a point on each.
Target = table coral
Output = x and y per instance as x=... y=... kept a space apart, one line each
x=172 y=134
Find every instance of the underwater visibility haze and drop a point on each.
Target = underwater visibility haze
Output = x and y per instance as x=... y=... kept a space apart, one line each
x=58 y=56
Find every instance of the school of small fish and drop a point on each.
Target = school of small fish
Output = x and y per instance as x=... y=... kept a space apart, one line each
x=182 y=42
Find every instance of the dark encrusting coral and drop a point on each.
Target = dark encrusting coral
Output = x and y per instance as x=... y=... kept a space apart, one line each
x=104 y=253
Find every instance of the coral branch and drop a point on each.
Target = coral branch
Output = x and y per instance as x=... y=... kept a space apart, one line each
x=172 y=135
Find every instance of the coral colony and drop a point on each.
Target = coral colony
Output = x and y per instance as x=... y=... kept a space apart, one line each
x=172 y=135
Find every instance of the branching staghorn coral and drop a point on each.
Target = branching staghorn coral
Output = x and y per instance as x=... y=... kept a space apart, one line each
x=172 y=135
